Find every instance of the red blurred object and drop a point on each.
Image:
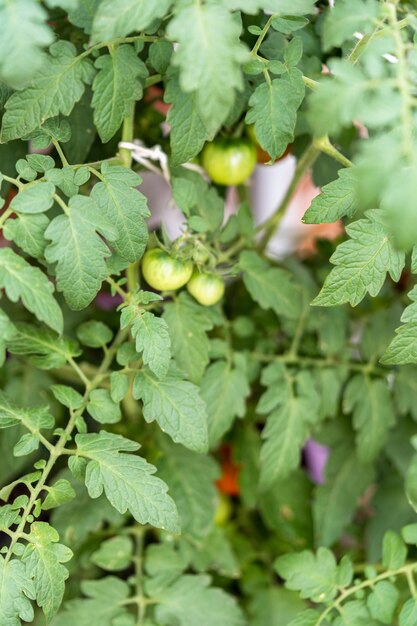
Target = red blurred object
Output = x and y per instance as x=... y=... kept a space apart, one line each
x=228 y=482
x=155 y=95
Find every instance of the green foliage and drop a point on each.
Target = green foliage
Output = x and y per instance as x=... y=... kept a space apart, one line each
x=224 y=516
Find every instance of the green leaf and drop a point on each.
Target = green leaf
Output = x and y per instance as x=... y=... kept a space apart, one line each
x=160 y=53
x=79 y=251
x=177 y=407
x=94 y=334
x=36 y=199
x=114 y=554
x=214 y=553
x=394 y=551
x=313 y=575
x=102 y=607
x=126 y=480
x=337 y=200
x=188 y=323
x=118 y=83
x=125 y=208
x=82 y=128
x=190 y=478
x=163 y=564
x=362 y=263
x=188 y=130
x=283 y=7
x=21 y=280
x=346 y=478
x=44 y=348
x=308 y=618
x=408 y=613
x=17 y=588
x=334 y=105
x=209 y=47
x=77 y=519
x=43 y=559
x=23 y=34
x=224 y=389
x=33 y=418
x=373 y=414
x=59 y=493
x=355 y=613
x=275 y=607
x=83 y=14
x=286 y=509
x=382 y=601
x=405 y=388
x=288 y=425
x=273 y=129
x=27 y=232
x=117 y=18
x=190 y=597
x=151 y=336
x=403 y=348
x=271 y=287
x=348 y=17
x=7 y=331
x=119 y=386
x=102 y=408
x=57 y=86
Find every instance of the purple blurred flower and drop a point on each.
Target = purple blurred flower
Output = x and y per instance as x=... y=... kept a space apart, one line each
x=316 y=457
x=107 y=302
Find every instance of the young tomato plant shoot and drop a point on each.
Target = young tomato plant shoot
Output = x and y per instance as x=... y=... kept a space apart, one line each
x=208 y=312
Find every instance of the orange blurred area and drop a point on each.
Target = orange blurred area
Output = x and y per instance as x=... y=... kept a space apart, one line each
x=309 y=233
x=228 y=482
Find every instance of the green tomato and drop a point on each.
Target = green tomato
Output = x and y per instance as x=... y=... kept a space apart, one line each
x=223 y=510
x=207 y=289
x=229 y=161
x=163 y=272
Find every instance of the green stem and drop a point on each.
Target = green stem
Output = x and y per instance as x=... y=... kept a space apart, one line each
x=60 y=152
x=404 y=85
x=117 y=288
x=361 y=45
x=262 y=35
x=406 y=570
x=271 y=224
x=61 y=203
x=4 y=217
x=310 y=83
x=59 y=447
x=117 y=41
x=139 y=595
x=152 y=80
x=324 y=145
x=289 y=358
x=127 y=135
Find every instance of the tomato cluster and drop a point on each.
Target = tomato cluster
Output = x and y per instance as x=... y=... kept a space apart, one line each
x=166 y=273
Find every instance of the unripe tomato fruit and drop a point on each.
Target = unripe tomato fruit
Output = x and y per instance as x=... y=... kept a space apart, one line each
x=163 y=272
x=223 y=510
x=229 y=161
x=207 y=289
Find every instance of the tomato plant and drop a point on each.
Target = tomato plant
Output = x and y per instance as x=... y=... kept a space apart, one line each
x=194 y=428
